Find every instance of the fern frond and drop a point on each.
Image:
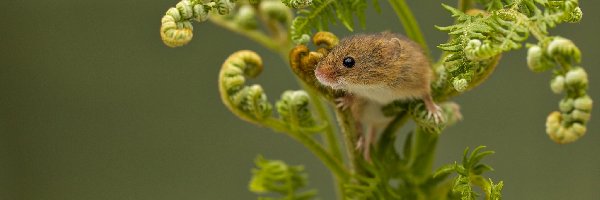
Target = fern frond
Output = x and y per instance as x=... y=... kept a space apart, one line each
x=480 y=38
x=321 y=13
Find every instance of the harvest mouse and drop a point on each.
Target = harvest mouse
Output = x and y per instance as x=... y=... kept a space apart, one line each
x=375 y=70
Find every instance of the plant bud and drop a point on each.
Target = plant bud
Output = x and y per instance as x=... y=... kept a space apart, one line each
x=575 y=15
x=460 y=85
x=557 y=84
x=200 y=13
x=185 y=9
x=566 y=105
x=581 y=115
x=584 y=103
x=577 y=77
x=564 y=47
x=536 y=61
x=246 y=18
x=276 y=10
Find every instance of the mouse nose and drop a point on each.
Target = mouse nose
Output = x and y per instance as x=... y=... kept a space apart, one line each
x=322 y=72
x=325 y=75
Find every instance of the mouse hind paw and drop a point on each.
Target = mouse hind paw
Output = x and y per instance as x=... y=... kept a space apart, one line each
x=435 y=114
x=434 y=111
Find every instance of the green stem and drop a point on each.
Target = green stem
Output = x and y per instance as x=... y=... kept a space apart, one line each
x=388 y=135
x=409 y=23
x=330 y=136
x=254 y=35
x=348 y=127
x=330 y=162
x=465 y=5
x=423 y=154
x=334 y=165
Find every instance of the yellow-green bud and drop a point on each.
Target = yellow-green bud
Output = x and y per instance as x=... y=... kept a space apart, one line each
x=561 y=134
x=575 y=15
x=185 y=9
x=566 y=105
x=564 y=47
x=460 y=85
x=583 y=103
x=234 y=83
x=246 y=18
x=200 y=13
x=224 y=7
x=553 y=121
x=578 y=129
x=478 y=50
x=276 y=10
x=303 y=39
x=173 y=12
x=581 y=115
x=577 y=77
x=536 y=61
x=557 y=84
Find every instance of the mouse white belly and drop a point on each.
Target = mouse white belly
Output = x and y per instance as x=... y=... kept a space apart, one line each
x=383 y=94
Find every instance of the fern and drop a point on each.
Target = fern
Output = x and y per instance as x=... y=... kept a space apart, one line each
x=274 y=176
x=324 y=12
x=481 y=36
x=469 y=174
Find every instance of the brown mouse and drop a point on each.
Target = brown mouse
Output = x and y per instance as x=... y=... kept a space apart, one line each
x=375 y=70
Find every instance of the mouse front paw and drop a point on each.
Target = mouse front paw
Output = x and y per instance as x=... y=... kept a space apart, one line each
x=344 y=102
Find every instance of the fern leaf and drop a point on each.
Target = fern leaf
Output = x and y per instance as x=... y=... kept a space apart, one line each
x=321 y=13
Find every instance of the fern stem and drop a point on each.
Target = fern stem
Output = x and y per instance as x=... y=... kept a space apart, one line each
x=348 y=128
x=254 y=35
x=334 y=165
x=409 y=23
x=317 y=149
x=329 y=136
x=423 y=154
x=465 y=5
x=387 y=137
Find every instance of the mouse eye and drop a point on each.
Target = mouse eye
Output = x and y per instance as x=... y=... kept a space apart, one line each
x=348 y=62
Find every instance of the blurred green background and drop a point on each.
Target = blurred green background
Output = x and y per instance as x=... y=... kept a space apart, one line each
x=94 y=106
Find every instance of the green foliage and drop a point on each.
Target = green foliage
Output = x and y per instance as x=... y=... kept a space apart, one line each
x=321 y=13
x=176 y=25
x=477 y=40
x=479 y=37
x=294 y=111
x=469 y=175
x=274 y=176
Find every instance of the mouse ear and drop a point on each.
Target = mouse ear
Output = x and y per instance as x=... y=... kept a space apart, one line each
x=393 y=47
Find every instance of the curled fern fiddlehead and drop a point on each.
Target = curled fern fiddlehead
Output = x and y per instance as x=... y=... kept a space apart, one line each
x=293 y=109
x=247 y=102
x=250 y=103
x=278 y=177
x=176 y=25
x=303 y=62
x=569 y=123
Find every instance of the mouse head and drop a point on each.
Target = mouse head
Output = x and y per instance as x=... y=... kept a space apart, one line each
x=360 y=60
